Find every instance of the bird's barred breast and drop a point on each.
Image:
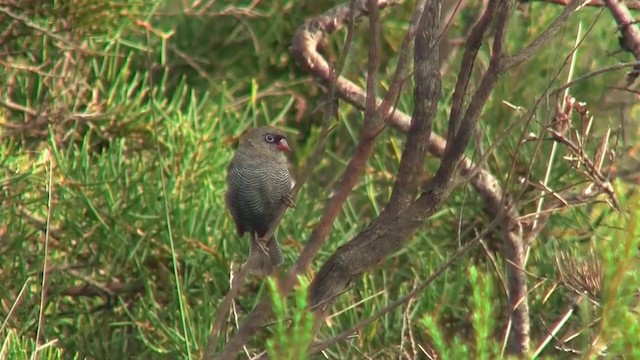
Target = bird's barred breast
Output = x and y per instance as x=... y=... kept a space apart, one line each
x=258 y=193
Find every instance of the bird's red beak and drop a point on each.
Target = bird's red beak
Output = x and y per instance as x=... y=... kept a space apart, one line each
x=283 y=145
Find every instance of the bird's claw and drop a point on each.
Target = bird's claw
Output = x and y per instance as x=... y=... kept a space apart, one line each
x=262 y=244
x=288 y=201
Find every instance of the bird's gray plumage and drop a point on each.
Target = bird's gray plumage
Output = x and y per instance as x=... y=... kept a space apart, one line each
x=258 y=183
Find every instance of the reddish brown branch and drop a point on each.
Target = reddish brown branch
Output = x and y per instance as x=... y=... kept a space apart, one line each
x=630 y=39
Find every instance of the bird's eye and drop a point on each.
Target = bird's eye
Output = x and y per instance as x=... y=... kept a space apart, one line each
x=270 y=138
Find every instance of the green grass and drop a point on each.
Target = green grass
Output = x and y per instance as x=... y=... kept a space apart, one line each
x=135 y=193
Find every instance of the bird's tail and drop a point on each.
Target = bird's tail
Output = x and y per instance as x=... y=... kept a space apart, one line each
x=264 y=259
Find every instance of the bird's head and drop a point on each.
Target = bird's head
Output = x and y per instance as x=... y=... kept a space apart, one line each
x=265 y=139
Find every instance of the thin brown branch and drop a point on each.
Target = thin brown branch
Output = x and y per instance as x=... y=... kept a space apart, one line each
x=10 y=105
x=223 y=309
x=400 y=74
x=351 y=174
x=472 y=46
x=635 y=5
x=543 y=40
x=592 y=74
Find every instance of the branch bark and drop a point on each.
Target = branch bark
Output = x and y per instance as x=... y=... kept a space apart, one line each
x=630 y=39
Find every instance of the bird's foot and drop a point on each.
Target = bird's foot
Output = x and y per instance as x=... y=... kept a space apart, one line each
x=263 y=245
x=289 y=201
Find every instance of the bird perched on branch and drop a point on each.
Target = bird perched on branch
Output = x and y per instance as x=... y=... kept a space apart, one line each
x=259 y=185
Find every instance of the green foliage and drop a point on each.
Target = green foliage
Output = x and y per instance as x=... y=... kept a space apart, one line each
x=16 y=347
x=482 y=318
x=620 y=294
x=118 y=124
x=294 y=324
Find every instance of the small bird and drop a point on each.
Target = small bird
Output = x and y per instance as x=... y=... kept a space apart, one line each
x=259 y=184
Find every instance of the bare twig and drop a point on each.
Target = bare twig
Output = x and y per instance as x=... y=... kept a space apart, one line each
x=592 y=74
x=225 y=304
x=593 y=3
x=387 y=105
x=557 y=326
x=32 y=25
x=583 y=275
x=372 y=119
x=466 y=67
